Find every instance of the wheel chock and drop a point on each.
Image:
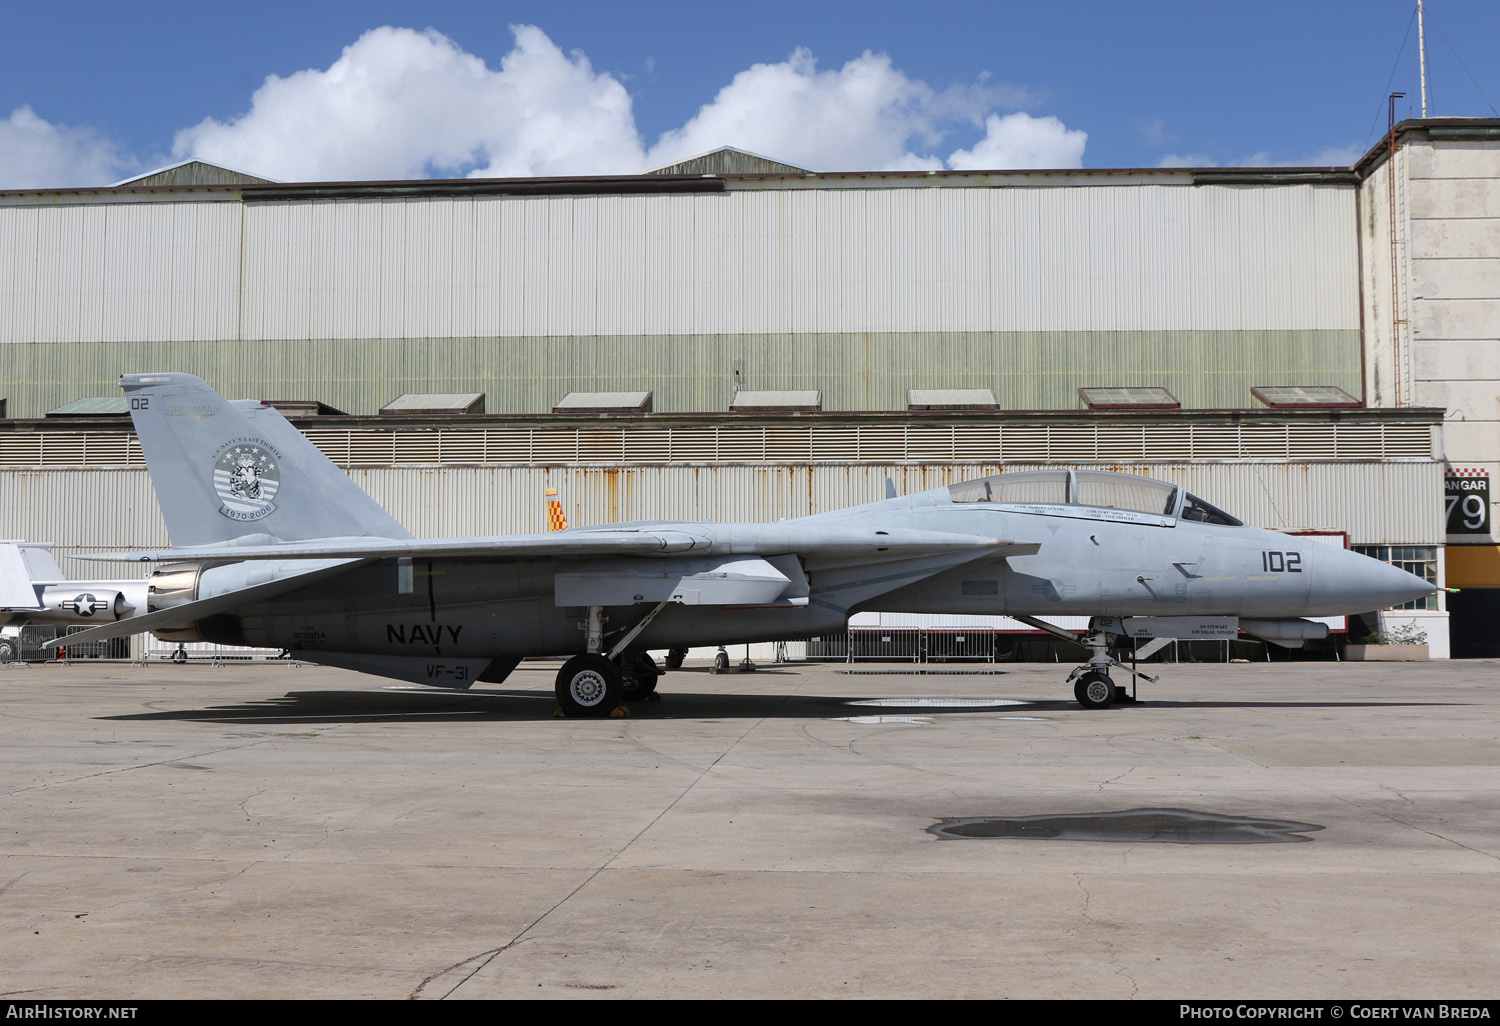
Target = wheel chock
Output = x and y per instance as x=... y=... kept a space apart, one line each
x=619 y=712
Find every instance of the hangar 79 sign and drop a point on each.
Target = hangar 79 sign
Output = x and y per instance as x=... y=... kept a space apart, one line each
x=1467 y=491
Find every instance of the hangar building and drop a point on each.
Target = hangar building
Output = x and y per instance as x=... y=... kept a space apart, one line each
x=733 y=338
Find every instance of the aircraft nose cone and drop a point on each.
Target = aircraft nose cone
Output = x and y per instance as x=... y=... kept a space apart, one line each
x=1365 y=584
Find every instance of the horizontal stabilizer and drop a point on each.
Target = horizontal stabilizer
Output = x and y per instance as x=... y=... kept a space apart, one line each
x=191 y=612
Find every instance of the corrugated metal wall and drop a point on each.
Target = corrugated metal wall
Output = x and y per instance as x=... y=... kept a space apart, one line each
x=1137 y=258
x=861 y=293
x=1026 y=370
x=86 y=510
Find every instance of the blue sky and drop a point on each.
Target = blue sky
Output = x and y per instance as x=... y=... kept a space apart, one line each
x=91 y=93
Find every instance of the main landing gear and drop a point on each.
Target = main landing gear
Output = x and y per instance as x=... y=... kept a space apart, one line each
x=594 y=684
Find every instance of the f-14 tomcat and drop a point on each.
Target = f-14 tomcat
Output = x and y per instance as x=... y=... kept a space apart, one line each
x=274 y=546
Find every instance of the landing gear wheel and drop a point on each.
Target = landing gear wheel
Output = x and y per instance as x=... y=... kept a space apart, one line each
x=640 y=677
x=7 y=650
x=675 y=657
x=1094 y=690
x=179 y=656
x=721 y=662
x=589 y=686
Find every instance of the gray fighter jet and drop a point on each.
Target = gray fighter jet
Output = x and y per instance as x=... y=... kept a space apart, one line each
x=274 y=546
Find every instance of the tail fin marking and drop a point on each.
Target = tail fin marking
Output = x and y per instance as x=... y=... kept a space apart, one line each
x=225 y=471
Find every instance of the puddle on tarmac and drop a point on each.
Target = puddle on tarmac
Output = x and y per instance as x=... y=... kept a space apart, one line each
x=938 y=703
x=1166 y=826
x=921 y=720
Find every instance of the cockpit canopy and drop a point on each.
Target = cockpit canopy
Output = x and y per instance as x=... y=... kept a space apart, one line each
x=1095 y=488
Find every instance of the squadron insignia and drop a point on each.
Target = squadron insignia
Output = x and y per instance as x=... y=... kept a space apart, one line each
x=246 y=478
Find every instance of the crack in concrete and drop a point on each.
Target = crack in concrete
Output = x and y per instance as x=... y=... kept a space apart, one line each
x=487 y=956
x=1087 y=916
x=1424 y=830
x=126 y=769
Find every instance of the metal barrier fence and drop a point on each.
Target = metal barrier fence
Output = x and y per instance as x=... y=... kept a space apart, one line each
x=920 y=645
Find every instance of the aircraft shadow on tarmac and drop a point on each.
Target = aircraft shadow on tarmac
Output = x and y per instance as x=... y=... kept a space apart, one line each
x=500 y=705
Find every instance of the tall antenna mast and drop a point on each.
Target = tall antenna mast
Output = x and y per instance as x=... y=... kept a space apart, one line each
x=1422 y=50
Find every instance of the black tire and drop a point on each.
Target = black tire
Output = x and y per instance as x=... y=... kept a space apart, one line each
x=179 y=656
x=1094 y=690
x=7 y=650
x=675 y=657
x=640 y=676
x=721 y=662
x=589 y=686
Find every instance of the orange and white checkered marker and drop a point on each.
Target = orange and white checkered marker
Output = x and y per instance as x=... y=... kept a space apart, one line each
x=556 y=519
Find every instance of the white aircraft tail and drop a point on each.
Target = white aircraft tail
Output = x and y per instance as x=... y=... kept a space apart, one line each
x=238 y=471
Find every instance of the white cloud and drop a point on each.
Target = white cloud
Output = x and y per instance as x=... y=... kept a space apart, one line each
x=866 y=116
x=1020 y=140
x=37 y=154
x=398 y=103
x=404 y=104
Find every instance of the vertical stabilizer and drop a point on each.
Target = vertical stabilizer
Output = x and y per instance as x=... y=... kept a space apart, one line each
x=229 y=470
x=16 y=591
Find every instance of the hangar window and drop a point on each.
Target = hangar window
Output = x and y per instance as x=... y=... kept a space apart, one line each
x=1303 y=396
x=1134 y=397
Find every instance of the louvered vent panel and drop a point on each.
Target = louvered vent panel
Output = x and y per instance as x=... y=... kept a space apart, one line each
x=1119 y=442
x=554 y=447
x=417 y=447
x=835 y=444
x=1315 y=442
x=976 y=443
x=1263 y=441
x=1166 y=442
x=20 y=450
x=694 y=445
x=1214 y=442
x=507 y=446
x=1412 y=441
x=370 y=448
x=1024 y=445
x=788 y=445
x=1069 y=442
x=742 y=445
x=601 y=446
x=68 y=448
x=333 y=444
x=881 y=443
x=648 y=446
x=461 y=446
x=929 y=444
